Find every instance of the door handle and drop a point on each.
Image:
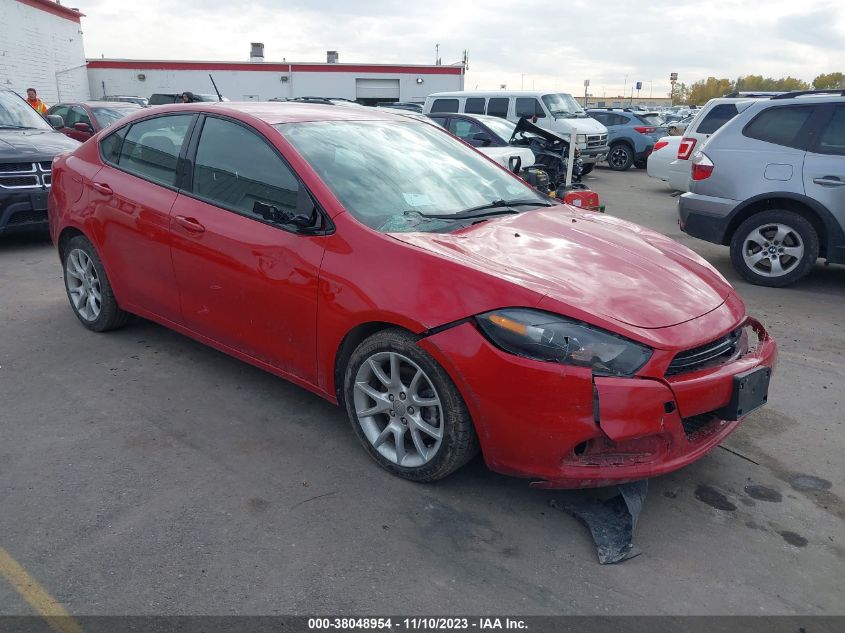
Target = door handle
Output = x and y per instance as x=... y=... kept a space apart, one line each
x=191 y=224
x=829 y=181
x=101 y=188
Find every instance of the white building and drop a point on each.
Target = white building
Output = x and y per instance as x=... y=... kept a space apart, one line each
x=41 y=47
x=258 y=80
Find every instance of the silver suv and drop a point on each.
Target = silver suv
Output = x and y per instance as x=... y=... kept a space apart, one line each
x=771 y=184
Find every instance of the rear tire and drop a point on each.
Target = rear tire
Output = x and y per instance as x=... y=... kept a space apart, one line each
x=774 y=248
x=620 y=157
x=88 y=288
x=406 y=410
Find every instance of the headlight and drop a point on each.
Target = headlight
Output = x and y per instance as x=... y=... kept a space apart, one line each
x=581 y=138
x=549 y=337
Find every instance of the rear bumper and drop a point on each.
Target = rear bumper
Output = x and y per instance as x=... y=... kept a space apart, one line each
x=705 y=217
x=564 y=428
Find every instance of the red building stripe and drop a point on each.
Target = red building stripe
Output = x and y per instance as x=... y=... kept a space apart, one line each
x=273 y=67
x=48 y=6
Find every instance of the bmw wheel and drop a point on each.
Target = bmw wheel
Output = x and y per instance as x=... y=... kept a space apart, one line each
x=406 y=410
x=88 y=288
x=774 y=248
x=620 y=158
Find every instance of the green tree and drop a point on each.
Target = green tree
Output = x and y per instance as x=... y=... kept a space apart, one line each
x=705 y=89
x=758 y=83
x=830 y=80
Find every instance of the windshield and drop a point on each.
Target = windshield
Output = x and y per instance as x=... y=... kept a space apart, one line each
x=563 y=106
x=501 y=127
x=391 y=175
x=106 y=116
x=17 y=113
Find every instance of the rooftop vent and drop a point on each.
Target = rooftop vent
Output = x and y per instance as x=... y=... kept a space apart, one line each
x=256 y=53
x=331 y=57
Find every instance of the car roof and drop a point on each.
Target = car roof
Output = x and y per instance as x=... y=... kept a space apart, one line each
x=483 y=118
x=274 y=112
x=496 y=93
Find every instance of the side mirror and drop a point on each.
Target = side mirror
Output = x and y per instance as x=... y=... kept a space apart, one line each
x=83 y=127
x=285 y=217
x=55 y=121
x=482 y=138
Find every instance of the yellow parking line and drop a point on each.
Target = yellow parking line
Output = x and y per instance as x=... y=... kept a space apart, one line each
x=47 y=607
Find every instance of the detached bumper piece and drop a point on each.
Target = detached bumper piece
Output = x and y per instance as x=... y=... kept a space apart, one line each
x=612 y=522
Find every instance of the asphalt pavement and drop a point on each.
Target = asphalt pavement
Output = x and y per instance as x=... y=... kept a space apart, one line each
x=144 y=473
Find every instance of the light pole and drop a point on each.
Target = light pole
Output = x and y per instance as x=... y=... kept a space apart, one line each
x=522 y=81
x=586 y=87
x=625 y=87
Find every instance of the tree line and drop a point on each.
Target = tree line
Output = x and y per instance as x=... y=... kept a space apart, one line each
x=705 y=89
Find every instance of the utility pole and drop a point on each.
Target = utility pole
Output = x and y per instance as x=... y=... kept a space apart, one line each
x=437 y=54
x=586 y=87
x=625 y=86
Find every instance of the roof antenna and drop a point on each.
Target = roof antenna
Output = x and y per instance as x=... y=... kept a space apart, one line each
x=219 y=96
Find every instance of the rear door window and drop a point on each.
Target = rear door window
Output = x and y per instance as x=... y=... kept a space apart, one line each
x=498 y=106
x=832 y=138
x=781 y=126
x=151 y=147
x=529 y=106
x=650 y=119
x=716 y=118
x=444 y=105
x=474 y=105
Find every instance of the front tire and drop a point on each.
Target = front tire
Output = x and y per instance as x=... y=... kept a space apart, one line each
x=88 y=288
x=620 y=158
x=587 y=168
x=406 y=410
x=774 y=248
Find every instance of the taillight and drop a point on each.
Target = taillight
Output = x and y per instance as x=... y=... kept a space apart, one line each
x=642 y=129
x=702 y=166
x=685 y=148
x=659 y=145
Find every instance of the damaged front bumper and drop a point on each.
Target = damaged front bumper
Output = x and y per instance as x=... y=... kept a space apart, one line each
x=565 y=428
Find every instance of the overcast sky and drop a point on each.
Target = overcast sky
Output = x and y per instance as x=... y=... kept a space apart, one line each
x=544 y=45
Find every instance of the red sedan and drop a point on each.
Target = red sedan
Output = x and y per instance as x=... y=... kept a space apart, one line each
x=379 y=262
x=84 y=119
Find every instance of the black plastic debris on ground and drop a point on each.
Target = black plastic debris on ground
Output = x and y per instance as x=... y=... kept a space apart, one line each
x=611 y=521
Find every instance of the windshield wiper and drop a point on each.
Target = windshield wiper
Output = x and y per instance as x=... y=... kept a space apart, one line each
x=488 y=209
x=17 y=127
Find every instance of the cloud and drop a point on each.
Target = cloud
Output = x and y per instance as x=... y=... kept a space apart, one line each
x=548 y=46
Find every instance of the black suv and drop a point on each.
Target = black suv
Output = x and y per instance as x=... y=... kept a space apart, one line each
x=27 y=147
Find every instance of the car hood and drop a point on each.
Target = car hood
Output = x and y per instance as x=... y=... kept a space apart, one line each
x=23 y=145
x=594 y=263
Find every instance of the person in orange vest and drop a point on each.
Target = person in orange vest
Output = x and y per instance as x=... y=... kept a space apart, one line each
x=37 y=104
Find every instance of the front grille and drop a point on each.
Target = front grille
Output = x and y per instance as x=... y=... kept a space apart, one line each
x=9 y=168
x=48 y=179
x=709 y=354
x=25 y=217
x=18 y=181
x=596 y=140
x=699 y=425
x=46 y=165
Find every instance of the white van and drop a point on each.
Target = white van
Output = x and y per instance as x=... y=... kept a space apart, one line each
x=555 y=111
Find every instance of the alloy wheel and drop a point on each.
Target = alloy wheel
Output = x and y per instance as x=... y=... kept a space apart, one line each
x=773 y=250
x=83 y=285
x=398 y=409
x=619 y=158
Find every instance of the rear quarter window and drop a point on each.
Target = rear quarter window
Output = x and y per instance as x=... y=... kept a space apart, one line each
x=716 y=118
x=781 y=126
x=444 y=105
